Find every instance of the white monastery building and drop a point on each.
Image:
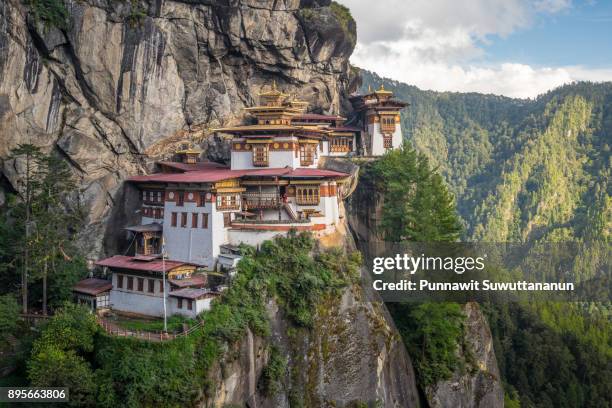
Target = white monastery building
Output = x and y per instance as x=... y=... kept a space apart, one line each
x=274 y=184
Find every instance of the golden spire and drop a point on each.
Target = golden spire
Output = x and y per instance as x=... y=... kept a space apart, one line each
x=382 y=90
x=274 y=85
x=369 y=88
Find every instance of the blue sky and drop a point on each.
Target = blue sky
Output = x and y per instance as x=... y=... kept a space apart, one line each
x=518 y=48
x=579 y=35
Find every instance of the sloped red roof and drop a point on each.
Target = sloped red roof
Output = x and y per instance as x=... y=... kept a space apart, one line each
x=130 y=262
x=192 y=167
x=197 y=176
x=190 y=293
x=214 y=175
x=92 y=286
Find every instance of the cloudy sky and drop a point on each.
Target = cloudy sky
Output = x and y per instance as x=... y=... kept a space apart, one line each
x=518 y=48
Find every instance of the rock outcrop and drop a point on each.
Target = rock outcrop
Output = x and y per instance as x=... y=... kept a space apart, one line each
x=352 y=357
x=118 y=82
x=480 y=386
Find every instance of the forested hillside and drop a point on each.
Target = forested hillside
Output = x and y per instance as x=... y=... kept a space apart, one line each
x=531 y=171
x=520 y=169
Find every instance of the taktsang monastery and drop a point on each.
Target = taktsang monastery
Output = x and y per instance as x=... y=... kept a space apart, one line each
x=199 y=212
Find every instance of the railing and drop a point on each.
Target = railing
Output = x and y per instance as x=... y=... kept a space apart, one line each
x=339 y=149
x=228 y=206
x=261 y=163
x=261 y=200
x=115 y=330
x=272 y=222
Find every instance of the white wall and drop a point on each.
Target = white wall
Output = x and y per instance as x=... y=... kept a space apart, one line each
x=199 y=306
x=189 y=244
x=243 y=159
x=151 y=304
x=136 y=302
x=251 y=237
x=378 y=147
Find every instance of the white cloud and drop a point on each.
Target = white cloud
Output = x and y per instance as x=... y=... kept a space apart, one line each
x=436 y=44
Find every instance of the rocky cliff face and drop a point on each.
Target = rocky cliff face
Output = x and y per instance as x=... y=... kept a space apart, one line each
x=120 y=82
x=352 y=357
x=480 y=387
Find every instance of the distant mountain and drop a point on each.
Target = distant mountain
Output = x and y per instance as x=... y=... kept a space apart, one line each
x=521 y=169
x=531 y=171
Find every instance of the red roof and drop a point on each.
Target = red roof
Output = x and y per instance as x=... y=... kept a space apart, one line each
x=213 y=175
x=130 y=262
x=190 y=293
x=92 y=286
x=192 y=167
x=196 y=176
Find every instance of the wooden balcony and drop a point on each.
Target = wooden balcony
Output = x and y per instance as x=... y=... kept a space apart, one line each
x=339 y=149
x=228 y=206
x=261 y=200
x=307 y=200
x=261 y=163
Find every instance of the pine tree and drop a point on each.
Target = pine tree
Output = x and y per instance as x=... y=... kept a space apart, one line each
x=30 y=155
x=47 y=216
x=417 y=204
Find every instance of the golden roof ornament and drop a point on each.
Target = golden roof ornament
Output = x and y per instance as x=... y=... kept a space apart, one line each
x=382 y=90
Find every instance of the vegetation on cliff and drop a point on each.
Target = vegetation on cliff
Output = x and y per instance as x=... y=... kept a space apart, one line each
x=532 y=171
x=417 y=206
x=38 y=232
x=130 y=372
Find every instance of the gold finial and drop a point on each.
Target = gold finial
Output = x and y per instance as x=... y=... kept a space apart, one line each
x=369 y=88
x=382 y=87
x=274 y=85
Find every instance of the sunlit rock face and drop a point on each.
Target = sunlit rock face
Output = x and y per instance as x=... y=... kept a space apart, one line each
x=123 y=81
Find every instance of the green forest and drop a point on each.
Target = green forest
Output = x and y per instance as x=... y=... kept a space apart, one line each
x=530 y=171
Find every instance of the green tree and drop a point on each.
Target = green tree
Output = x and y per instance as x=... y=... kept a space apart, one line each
x=431 y=332
x=30 y=156
x=417 y=205
x=39 y=226
x=57 y=218
x=59 y=356
x=9 y=316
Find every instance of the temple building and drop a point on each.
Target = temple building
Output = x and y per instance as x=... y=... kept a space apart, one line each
x=379 y=113
x=197 y=213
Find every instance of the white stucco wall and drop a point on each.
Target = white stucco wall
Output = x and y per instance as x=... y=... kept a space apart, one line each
x=199 y=306
x=197 y=245
x=251 y=237
x=243 y=160
x=136 y=302
x=377 y=147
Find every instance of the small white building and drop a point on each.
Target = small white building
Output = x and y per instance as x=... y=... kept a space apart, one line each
x=380 y=115
x=138 y=286
x=94 y=293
